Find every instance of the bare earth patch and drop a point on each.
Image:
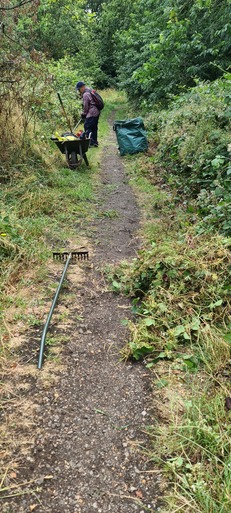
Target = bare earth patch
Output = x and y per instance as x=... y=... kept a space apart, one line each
x=77 y=427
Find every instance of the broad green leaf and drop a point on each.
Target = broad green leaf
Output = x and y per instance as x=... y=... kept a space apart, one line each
x=162 y=383
x=162 y=307
x=227 y=338
x=116 y=285
x=179 y=330
x=149 y=322
x=140 y=352
x=195 y=325
x=214 y=305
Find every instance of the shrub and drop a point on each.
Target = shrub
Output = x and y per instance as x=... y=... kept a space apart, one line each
x=194 y=146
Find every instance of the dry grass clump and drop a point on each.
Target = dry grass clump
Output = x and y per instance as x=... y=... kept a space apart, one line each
x=17 y=126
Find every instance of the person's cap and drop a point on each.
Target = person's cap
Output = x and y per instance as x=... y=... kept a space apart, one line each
x=79 y=84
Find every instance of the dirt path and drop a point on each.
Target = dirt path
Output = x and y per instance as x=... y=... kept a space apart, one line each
x=85 y=457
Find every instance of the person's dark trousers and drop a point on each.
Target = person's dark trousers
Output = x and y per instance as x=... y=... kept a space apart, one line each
x=91 y=126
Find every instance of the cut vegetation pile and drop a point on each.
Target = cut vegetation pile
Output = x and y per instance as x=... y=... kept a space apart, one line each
x=181 y=295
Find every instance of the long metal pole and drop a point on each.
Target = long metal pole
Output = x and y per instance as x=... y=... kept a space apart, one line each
x=42 y=344
x=76 y=126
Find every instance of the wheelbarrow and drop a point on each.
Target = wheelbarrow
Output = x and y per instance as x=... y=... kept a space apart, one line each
x=74 y=150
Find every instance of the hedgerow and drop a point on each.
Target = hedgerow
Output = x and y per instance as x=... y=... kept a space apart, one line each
x=193 y=151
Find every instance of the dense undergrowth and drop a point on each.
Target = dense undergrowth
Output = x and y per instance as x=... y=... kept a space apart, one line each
x=193 y=138
x=180 y=290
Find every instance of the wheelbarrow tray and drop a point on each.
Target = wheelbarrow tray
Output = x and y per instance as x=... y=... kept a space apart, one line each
x=73 y=148
x=80 y=146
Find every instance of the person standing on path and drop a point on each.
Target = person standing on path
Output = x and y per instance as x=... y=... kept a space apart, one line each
x=90 y=113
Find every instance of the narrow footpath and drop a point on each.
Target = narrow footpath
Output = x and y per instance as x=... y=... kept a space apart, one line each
x=89 y=454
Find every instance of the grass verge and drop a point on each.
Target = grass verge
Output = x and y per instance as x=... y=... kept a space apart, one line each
x=45 y=207
x=180 y=284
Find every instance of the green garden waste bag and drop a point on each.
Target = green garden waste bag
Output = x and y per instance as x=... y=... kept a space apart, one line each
x=131 y=136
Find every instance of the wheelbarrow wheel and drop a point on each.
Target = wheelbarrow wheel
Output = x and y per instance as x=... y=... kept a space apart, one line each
x=72 y=156
x=73 y=159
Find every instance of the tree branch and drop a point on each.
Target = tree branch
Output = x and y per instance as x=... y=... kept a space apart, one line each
x=23 y=2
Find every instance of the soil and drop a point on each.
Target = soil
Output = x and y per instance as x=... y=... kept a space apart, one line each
x=84 y=421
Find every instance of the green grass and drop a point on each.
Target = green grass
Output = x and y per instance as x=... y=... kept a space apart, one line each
x=45 y=206
x=200 y=464
x=180 y=284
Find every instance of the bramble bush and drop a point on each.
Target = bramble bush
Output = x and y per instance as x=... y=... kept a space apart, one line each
x=194 y=138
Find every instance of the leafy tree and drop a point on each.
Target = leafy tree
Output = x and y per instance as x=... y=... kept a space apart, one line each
x=94 y=5
x=168 y=45
x=59 y=28
x=135 y=45
x=114 y=17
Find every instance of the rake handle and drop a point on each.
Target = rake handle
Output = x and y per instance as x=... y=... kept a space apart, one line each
x=64 y=112
x=42 y=344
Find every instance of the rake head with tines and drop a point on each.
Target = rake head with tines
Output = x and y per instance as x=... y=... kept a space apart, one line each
x=75 y=255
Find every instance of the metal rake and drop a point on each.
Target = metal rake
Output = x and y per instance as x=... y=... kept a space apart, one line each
x=64 y=256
